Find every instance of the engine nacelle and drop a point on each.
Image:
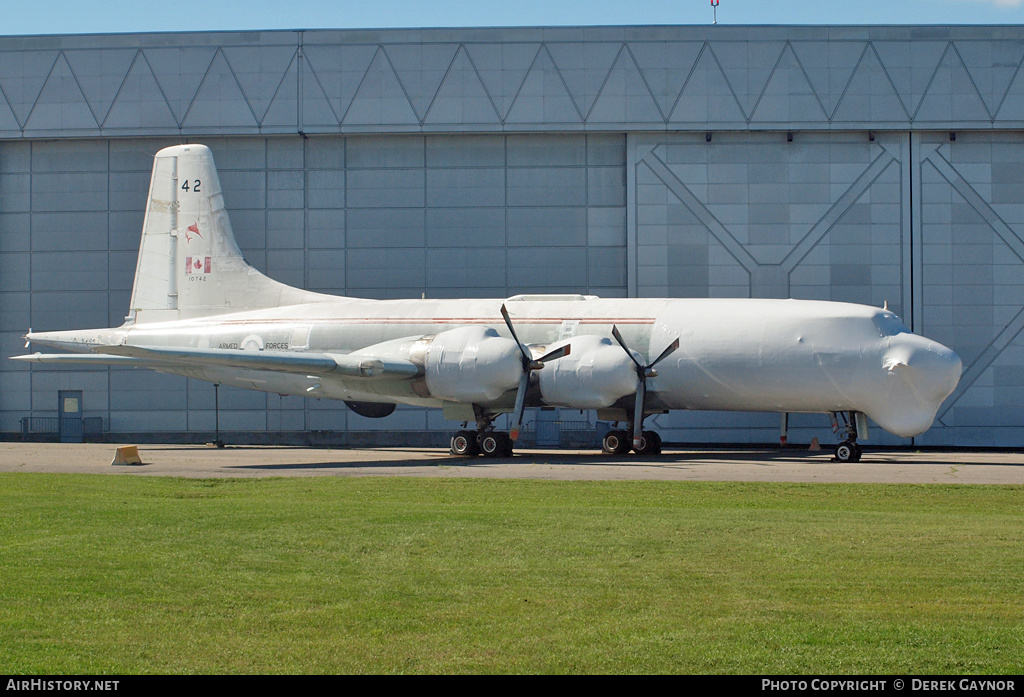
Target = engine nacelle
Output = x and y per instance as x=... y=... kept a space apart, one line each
x=471 y=364
x=595 y=375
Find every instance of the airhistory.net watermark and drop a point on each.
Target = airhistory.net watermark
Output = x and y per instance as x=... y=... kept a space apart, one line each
x=62 y=685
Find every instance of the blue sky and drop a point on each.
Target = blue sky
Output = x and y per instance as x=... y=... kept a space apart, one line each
x=80 y=16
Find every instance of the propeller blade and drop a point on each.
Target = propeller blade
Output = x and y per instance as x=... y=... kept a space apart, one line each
x=622 y=343
x=556 y=354
x=638 y=414
x=666 y=353
x=508 y=323
x=517 y=412
x=28 y=342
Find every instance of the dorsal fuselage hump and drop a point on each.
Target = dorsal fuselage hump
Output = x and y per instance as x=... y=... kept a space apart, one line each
x=189 y=263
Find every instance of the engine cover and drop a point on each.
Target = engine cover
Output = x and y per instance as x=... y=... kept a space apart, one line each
x=595 y=375
x=471 y=364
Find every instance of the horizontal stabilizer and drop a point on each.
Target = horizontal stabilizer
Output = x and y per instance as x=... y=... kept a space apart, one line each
x=276 y=361
x=86 y=358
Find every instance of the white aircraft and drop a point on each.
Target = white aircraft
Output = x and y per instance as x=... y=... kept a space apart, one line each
x=199 y=310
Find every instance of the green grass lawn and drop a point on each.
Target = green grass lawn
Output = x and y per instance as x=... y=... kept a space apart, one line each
x=123 y=574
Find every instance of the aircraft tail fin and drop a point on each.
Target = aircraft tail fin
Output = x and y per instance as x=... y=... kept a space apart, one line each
x=189 y=263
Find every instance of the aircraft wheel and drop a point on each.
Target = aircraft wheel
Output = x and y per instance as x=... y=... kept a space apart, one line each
x=650 y=444
x=506 y=444
x=610 y=442
x=643 y=446
x=491 y=445
x=847 y=452
x=653 y=442
x=464 y=444
x=615 y=443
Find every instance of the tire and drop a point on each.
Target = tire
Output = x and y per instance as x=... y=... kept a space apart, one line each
x=506 y=444
x=846 y=452
x=653 y=443
x=464 y=444
x=625 y=442
x=642 y=450
x=615 y=443
x=610 y=443
x=650 y=444
x=490 y=445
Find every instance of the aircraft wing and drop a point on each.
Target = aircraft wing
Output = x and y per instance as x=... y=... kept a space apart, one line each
x=361 y=366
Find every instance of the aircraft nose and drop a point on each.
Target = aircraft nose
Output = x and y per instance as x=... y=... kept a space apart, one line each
x=929 y=369
x=920 y=374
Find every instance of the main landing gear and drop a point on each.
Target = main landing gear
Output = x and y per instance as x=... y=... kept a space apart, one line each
x=490 y=443
x=846 y=423
x=483 y=441
x=487 y=443
x=618 y=442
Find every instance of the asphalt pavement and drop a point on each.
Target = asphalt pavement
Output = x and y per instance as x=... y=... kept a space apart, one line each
x=698 y=464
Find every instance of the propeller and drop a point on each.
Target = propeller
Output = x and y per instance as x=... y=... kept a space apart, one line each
x=642 y=373
x=529 y=365
x=28 y=342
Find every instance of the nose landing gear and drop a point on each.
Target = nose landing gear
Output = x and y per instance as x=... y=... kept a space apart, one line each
x=849 y=423
x=848 y=451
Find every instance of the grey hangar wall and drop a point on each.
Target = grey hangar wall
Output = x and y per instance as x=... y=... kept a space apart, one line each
x=863 y=164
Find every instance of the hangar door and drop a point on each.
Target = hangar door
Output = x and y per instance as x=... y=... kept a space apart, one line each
x=930 y=225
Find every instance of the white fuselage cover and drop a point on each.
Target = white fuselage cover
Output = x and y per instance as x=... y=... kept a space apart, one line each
x=734 y=354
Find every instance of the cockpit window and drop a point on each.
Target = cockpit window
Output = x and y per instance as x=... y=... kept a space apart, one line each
x=889 y=324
